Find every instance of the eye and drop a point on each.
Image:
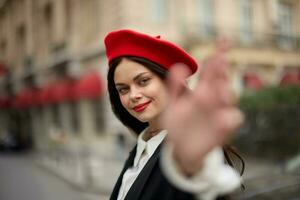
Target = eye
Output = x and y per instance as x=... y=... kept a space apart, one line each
x=144 y=81
x=122 y=90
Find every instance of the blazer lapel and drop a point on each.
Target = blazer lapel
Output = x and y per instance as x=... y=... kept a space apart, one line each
x=128 y=163
x=137 y=187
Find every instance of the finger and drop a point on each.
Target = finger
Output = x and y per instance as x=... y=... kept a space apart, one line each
x=229 y=120
x=215 y=67
x=210 y=98
x=226 y=95
x=206 y=97
x=176 y=80
x=217 y=64
x=223 y=44
x=216 y=76
x=213 y=90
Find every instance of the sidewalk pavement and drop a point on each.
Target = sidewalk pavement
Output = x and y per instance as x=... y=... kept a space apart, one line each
x=263 y=177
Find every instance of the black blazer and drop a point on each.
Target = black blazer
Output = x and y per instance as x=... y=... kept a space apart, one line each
x=151 y=183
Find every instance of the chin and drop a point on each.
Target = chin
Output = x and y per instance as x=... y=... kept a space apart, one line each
x=145 y=117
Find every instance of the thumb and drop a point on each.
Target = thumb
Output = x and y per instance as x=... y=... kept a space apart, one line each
x=176 y=80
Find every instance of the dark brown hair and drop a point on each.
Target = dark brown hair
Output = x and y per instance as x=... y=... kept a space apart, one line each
x=122 y=114
x=231 y=155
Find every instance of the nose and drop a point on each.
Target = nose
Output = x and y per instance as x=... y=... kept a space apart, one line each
x=135 y=94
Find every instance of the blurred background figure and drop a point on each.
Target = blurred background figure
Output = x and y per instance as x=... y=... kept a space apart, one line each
x=53 y=98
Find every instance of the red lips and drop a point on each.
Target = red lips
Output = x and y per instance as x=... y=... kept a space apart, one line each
x=141 y=107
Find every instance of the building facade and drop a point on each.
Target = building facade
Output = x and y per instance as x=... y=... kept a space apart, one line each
x=57 y=46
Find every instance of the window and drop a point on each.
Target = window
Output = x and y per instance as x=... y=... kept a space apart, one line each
x=246 y=21
x=159 y=10
x=48 y=17
x=21 y=33
x=205 y=13
x=98 y=115
x=56 y=116
x=284 y=30
x=3 y=47
x=74 y=117
x=20 y=43
x=68 y=16
x=90 y=19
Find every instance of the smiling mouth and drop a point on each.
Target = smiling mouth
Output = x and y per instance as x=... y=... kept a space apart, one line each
x=141 y=107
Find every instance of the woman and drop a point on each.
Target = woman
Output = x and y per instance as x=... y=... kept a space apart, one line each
x=179 y=131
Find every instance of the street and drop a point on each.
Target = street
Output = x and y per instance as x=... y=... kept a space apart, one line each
x=22 y=179
x=265 y=180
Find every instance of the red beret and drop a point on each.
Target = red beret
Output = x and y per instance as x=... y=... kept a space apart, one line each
x=131 y=43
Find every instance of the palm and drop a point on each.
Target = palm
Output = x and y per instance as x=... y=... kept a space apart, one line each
x=201 y=119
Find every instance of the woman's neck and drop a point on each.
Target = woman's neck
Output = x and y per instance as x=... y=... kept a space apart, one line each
x=153 y=129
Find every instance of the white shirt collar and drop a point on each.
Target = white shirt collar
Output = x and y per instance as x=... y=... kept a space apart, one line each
x=150 y=145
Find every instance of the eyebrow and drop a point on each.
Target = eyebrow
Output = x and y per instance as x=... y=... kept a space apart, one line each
x=135 y=78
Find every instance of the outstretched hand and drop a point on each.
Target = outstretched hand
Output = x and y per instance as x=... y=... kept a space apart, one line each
x=199 y=120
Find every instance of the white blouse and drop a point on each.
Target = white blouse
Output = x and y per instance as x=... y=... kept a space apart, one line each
x=215 y=178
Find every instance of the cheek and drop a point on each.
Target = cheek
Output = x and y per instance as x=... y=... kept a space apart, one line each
x=123 y=100
x=160 y=95
x=163 y=97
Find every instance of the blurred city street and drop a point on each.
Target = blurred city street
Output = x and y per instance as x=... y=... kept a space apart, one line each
x=265 y=180
x=59 y=136
x=22 y=179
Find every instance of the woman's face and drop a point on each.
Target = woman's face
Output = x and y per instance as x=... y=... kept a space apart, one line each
x=142 y=93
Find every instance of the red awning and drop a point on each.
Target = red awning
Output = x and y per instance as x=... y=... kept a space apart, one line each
x=25 y=99
x=253 y=81
x=45 y=95
x=3 y=69
x=63 y=91
x=90 y=86
x=290 y=78
x=5 y=102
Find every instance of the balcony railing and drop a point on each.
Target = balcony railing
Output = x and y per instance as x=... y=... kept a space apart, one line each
x=245 y=38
